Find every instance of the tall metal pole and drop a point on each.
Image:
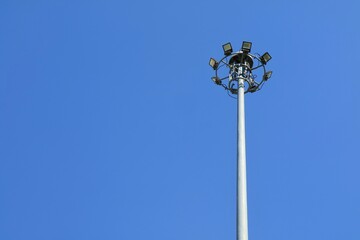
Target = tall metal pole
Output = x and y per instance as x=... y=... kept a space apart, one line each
x=242 y=218
x=240 y=66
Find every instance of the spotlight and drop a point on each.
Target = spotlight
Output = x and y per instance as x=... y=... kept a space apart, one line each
x=246 y=46
x=216 y=80
x=227 y=48
x=265 y=58
x=213 y=63
x=267 y=75
x=253 y=89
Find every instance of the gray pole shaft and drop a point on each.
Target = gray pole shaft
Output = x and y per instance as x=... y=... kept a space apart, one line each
x=242 y=218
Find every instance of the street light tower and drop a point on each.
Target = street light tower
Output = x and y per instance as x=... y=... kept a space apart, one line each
x=234 y=72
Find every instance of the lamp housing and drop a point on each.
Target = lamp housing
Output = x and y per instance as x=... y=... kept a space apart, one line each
x=253 y=88
x=267 y=75
x=216 y=80
x=246 y=46
x=265 y=58
x=227 y=48
x=213 y=63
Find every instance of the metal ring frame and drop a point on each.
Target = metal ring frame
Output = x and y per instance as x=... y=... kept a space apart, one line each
x=246 y=73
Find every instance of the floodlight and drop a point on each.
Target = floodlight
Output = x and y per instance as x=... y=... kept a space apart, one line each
x=265 y=58
x=253 y=88
x=267 y=75
x=227 y=48
x=216 y=80
x=213 y=63
x=246 y=46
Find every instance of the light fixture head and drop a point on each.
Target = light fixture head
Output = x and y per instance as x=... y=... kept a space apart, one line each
x=246 y=46
x=265 y=58
x=227 y=48
x=213 y=63
x=216 y=80
x=267 y=75
x=253 y=88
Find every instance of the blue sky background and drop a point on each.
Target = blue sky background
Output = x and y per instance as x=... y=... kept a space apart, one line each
x=110 y=127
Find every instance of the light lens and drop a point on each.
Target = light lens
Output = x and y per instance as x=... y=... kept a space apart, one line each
x=213 y=63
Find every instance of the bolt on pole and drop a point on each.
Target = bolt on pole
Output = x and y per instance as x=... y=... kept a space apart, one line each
x=234 y=72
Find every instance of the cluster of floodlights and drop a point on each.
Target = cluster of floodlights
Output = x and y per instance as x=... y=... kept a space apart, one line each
x=240 y=65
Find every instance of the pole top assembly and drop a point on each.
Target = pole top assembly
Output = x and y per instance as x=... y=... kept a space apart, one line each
x=240 y=64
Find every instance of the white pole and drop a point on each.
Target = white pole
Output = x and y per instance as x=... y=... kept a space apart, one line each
x=242 y=218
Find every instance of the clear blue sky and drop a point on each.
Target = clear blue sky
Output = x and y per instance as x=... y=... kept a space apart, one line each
x=110 y=127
